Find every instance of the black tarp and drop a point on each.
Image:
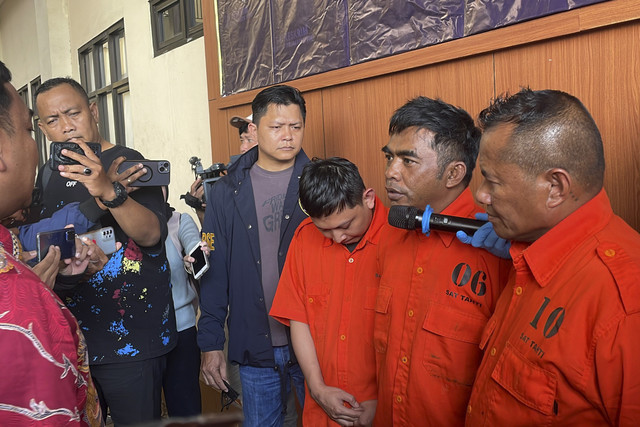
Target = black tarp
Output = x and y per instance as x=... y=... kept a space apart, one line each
x=264 y=42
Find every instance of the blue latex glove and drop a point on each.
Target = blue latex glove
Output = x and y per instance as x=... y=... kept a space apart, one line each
x=487 y=239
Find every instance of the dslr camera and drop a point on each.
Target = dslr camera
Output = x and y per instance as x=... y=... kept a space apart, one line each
x=209 y=175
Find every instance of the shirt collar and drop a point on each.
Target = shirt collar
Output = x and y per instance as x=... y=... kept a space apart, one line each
x=547 y=255
x=463 y=206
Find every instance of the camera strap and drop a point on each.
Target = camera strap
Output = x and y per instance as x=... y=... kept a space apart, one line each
x=191 y=200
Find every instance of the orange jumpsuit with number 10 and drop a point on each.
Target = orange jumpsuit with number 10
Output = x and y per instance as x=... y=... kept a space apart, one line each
x=563 y=346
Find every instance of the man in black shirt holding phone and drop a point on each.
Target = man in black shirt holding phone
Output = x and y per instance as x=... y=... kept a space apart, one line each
x=124 y=310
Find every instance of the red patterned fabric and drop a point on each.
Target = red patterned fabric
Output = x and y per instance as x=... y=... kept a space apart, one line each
x=44 y=370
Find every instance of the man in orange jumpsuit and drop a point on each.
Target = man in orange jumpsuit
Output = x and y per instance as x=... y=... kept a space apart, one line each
x=562 y=347
x=327 y=292
x=436 y=294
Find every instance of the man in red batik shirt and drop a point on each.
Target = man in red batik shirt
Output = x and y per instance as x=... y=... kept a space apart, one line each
x=43 y=357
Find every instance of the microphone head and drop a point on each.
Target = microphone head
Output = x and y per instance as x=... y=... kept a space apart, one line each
x=404 y=217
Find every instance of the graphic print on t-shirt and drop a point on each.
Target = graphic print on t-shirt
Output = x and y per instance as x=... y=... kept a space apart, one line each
x=271 y=221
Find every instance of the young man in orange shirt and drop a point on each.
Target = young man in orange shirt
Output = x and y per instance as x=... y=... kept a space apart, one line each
x=327 y=293
x=562 y=347
x=436 y=293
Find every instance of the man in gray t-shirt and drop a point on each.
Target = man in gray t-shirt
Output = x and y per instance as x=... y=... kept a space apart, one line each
x=249 y=228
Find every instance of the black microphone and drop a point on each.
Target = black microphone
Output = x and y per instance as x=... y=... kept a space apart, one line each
x=409 y=217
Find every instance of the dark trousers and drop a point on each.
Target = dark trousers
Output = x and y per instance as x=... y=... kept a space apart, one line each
x=131 y=390
x=181 y=383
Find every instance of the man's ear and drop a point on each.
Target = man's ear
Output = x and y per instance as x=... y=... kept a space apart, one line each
x=454 y=174
x=253 y=131
x=560 y=187
x=369 y=198
x=42 y=128
x=93 y=108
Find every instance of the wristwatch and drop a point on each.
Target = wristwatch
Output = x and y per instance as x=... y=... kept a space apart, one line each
x=121 y=196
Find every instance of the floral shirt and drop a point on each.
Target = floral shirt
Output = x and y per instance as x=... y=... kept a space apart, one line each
x=43 y=355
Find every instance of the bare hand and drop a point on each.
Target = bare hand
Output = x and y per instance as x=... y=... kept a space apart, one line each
x=332 y=401
x=188 y=260
x=127 y=176
x=78 y=264
x=214 y=369
x=89 y=172
x=47 y=269
x=197 y=189
x=369 y=411
x=97 y=257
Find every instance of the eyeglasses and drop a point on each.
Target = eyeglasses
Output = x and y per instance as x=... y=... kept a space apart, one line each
x=227 y=397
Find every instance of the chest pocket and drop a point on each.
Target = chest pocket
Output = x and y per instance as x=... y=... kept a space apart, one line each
x=448 y=322
x=527 y=383
x=317 y=304
x=448 y=343
x=382 y=318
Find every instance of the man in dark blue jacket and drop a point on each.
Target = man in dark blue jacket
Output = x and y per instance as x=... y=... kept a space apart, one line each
x=250 y=218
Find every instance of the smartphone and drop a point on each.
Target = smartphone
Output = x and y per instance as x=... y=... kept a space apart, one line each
x=57 y=158
x=65 y=239
x=201 y=263
x=104 y=238
x=157 y=172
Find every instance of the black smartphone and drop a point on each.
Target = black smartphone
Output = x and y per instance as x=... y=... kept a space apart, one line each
x=201 y=263
x=158 y=172
x=56 y=158
x=65 y=239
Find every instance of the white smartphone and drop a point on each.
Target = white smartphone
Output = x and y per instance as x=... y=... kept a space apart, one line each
x=201 y=264
x=104 y=238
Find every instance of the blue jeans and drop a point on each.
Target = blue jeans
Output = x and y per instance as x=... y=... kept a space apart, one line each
x=262 y=391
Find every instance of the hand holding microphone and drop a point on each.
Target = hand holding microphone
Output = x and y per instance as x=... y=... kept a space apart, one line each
x=477 y=232
x=409 y=217
x=487 y=239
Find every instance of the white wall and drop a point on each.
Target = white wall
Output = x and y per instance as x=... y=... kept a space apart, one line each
x=168 y=93
x=18 y=38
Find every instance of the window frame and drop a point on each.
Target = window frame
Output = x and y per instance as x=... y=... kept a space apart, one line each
x=27 y=93
x=187 y=33
x=93 y=78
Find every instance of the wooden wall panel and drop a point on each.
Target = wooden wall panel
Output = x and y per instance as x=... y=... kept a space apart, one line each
x=313 y=143
x=601 y=68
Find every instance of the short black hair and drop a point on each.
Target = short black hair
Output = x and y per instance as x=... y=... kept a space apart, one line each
x=456 y=137
x=278 y=95
x=5 y=101
x=329 y=186
x=552 y=129
x=57 y=81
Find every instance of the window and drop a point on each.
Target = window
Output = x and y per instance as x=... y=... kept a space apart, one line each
x=23 y=92
x=174 y=23
x=30 y=102
x=41 y=140
x=103 y=73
